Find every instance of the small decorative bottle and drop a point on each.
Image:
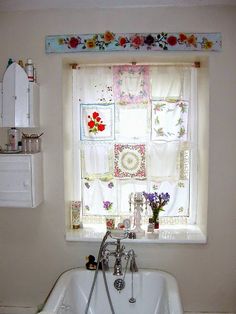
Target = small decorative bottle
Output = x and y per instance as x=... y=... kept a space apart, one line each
x=150 y=227
x=75 y=215
x=29 y=69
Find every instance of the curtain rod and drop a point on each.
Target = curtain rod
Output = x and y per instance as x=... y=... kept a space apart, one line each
x=195 y=64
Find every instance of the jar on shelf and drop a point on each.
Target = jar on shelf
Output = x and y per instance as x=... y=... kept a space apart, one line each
x=31 y=143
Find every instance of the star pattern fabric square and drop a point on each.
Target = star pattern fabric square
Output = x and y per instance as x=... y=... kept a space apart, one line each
x=131 y=85
x=130 y=161
x=94 y=86
x=97 y=122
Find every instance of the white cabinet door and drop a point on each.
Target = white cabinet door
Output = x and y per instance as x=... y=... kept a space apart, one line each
x=0 y=104
x=20 y=99
x=15 y=96
x=20 y=180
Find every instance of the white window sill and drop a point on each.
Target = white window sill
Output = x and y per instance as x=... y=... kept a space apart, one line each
x=185 y=234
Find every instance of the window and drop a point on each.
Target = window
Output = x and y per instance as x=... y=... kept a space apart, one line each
x=134 y=130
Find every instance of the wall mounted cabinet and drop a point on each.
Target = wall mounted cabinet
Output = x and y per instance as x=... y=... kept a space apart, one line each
x=20 y=99
x=21 y=182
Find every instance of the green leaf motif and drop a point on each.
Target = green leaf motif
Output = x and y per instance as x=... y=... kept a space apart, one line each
x=157 y=121
x=159 y=132
x=181 y=132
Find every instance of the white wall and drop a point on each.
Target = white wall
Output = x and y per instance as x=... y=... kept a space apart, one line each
x=33 y=251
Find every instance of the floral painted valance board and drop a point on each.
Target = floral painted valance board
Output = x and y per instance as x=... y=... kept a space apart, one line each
x=110 y=41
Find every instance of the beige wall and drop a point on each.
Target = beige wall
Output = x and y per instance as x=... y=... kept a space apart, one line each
x=33 y=251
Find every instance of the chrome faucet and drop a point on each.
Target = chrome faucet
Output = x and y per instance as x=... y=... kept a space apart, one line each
x=119 y=253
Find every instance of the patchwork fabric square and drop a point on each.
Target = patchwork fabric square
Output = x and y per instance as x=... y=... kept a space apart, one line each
x=99 y=197
x=97 y=122
x=164 y=161
x=131 y=85
x=130 y=161
x=97 y=160
x=169 y=120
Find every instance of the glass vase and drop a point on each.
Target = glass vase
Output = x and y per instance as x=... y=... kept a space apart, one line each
x=156 y=224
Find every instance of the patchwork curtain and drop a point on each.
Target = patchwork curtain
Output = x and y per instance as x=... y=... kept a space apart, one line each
x=132 y=133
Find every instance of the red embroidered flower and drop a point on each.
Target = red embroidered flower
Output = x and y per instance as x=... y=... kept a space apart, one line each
x=101 y=127
x=91 y=124
x=95 y=123
x=172 y=40
x=122 y=41
x=95 y=114
x=73 y=43
x=137 y=41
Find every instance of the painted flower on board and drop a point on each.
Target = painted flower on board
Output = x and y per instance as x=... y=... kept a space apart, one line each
x=172 y=40
x=192 y=40
x=90 y=43
x=61 y=41
x=73 y=42
x=189 y=40
x=137 y=41
x=122 y=41
x=206 y=44
x=149 y=40
x=108 y=37
x=182 y=37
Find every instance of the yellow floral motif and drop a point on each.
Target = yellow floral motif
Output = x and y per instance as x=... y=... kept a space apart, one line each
x=207 y=44
x=90 y=43
x=60 y=41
